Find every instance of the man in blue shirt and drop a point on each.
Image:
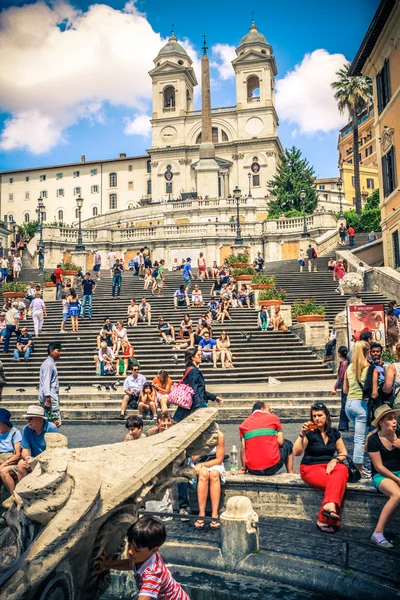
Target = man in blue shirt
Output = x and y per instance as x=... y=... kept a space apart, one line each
x=208 y=346
x=33 y=440
x=24 y=346
x=88 y=287
x=187 y=273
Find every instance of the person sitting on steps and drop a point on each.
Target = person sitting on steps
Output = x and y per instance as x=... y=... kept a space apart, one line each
x=181 y=298
x=148 y=400
x=264 y=320
x=133 y=385
x=166 y=331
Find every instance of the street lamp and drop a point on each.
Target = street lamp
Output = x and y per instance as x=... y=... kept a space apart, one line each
x=79 y=203
x=236 y=195
x=40 y=211
x=303 y=196
x=339 y=187
x=249 y=176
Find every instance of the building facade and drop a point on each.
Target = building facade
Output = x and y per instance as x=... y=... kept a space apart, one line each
x=379 y=58
x=329 y=196
x=245 y=139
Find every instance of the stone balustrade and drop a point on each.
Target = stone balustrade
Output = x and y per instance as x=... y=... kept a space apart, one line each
x=319 y=221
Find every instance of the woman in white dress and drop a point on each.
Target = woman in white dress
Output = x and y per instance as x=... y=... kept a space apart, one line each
x=17 y=266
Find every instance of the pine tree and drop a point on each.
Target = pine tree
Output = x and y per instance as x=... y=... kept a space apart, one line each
x=294 y=174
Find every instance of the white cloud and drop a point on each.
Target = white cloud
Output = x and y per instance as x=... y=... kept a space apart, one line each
x=139 y=125
x=223 y=55
x=305 y=97
x=60 y=65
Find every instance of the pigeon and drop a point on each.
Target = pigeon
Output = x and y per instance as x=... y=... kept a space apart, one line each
x=114 y=387
x=67 y=388
x=175 y=357
x=107 y=388
x=117 y=383
x=249 y=337
x=21 y=390
x=38 y=386
x=99 y=387
x=243 y=334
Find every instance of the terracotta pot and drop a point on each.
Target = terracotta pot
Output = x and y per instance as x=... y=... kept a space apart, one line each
x=243 y=277
x=49 y=284
x=13 y=295
x=262 y=286
x=69 y=272
x=270 y=302
x=310 y=318
x=239 y=265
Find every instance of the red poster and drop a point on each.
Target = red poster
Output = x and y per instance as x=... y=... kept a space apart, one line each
x=366 y=317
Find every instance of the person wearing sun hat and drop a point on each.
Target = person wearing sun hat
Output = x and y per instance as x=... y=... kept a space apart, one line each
x=10 y=448
x=383 y=447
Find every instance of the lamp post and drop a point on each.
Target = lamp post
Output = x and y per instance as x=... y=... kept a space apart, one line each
x=339 y=187
x=40 y=211
x=305 y=233
x=236 y=195
x=79 y=203
x=249 y=176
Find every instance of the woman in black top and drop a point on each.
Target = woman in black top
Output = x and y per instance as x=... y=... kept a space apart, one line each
x=383 y=446
x=194 y=378
x=321 y=467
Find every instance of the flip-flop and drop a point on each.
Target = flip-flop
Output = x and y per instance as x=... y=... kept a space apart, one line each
x=331 y=514
x=325 y=528
x=215 y=525
x=199 y=524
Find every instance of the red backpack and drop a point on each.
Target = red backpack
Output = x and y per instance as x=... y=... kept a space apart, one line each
x=315 y=253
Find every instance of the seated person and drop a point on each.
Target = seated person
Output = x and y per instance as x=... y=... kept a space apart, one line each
x=208 y=348
x=164 y=422
x=148 y=400
x=181 y=297
x=134 y=425
x=133 y=313
x=67 y=284
x=30 y=292
x=174 y=265
x=321 y=466
x=277 y=319
x=104 y=360
x=10 y=450
x=383 y=446
x=214 y=270
x=223 y=311
x=330 y=346
x=263 y=320
x=163 y=384
x=24 y=347
x=267 y=453
x=119 y=333
x=216 y=287
x=131 y=265
x=213 y=307
x=133 y=385
x=126 y=356
x=211 y=474
x=148 y=279
x=244 y=295
x=105 y=334
x=331 y=265
x=227 y=294
x=3 y=325
x=197 y=296
x=186 y=327
x=166 y=331
x=223 y=351
x=144 y=311
x=204 y=324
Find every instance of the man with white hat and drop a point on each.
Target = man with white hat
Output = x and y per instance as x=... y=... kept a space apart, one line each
x=33 y=440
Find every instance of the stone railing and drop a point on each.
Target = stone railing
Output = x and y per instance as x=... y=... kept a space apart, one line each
x=190 y=230
x=68 y=234
x=314 y=222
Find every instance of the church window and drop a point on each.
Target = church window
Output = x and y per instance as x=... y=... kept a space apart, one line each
x=95 y=211
x=253 y=89
x=94 y=189
x=41 y=178
x=10 y=218
x=77 y=191
x=180 y=62
x=169 y=167
x=113 y=201
x=113 y=180
x=148 y=166
x=61 y=215
x=27 y=218
x=60 y=192
x=224 y=137
x=130 y=167
x=256 y=181
x=255 y=158
x=11 y=180
x=214 y=135
x=149 y=187
x=169 y=97
x=263 y=52
x=43 y=194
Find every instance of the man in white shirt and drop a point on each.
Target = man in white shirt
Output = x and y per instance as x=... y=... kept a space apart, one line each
x=112 y=257
x=133 y=385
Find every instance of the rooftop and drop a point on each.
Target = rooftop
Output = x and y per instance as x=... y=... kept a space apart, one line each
x=253 y=37
x=172 y=47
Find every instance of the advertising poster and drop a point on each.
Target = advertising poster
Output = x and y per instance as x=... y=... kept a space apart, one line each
x=366 y=317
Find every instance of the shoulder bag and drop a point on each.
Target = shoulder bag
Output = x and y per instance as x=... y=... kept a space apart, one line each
x=181 y=394
x=354 y=473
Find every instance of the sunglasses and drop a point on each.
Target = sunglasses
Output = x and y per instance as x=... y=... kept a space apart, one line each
x=318 y=405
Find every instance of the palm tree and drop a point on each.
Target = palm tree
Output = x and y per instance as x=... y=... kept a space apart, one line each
x=353 y=95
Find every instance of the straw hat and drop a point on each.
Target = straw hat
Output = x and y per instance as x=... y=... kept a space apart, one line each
x=35 y=411
x=383 y=410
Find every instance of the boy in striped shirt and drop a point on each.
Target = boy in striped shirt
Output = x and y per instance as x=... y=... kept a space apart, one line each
x=153 y=579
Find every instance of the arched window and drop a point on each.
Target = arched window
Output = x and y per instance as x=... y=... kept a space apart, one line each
x=149 y=187
x=169 y=97
x=113 y=180
x=148 y=166
x=224 y=136
x=61 y=215
x=253 y=88
x=95 y=211
x=27 y=218
x=113 y=201
x=10 y=218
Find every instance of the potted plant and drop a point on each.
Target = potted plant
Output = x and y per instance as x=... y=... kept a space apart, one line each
x=271 y=297
x=262 y=282
x=13 y=290
x=237 y=261
x=308 y=310
x=47 y=280
x=243 y=273
x=69 y=269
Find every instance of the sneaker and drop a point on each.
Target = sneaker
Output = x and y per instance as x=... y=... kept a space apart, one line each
x=154 y=417
x=166 y=518
x=184 y=511
x=366 y=473
x=121 y=417
x=98 y=279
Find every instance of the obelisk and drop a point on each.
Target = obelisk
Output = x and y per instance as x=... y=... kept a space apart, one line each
x=207 y=167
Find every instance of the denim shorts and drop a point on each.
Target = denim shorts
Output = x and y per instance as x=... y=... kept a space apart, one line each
x=64 y=317
x=378 y=478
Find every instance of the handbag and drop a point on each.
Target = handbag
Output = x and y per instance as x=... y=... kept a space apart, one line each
x=354 y=473
x=181 y=394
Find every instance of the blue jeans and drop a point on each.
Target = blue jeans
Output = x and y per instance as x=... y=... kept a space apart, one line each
x=26 y=354
x=351 y=240
x=188 y=281
x=4 y=273
x=87 y=299
x=59 y=286
x=41 y=266
x=343 y=420
x=116 y=283
x=10 y=329
x=356 y=411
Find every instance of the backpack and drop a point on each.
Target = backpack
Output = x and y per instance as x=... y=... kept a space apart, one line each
x=155 y=273
x=315 y=253
x=382 y=398
x=53 y=277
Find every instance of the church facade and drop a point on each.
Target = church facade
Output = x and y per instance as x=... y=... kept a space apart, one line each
x=244 y=136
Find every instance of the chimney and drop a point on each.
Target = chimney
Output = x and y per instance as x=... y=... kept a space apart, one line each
x=122 y=155
x=83 y=158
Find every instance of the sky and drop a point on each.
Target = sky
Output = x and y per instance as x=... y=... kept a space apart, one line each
x=74 y=76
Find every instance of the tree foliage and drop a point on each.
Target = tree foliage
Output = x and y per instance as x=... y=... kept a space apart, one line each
x=293 y=175
x=29 y=228
x=370 y=217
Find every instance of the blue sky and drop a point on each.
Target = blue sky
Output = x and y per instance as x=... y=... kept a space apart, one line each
x=63 y=103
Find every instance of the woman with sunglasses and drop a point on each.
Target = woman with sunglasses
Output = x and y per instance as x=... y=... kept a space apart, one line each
x=323 y=452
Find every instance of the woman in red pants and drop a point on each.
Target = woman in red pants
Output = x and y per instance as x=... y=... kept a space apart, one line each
x=323 y=453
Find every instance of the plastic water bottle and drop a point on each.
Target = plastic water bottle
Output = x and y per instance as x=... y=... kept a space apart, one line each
x=234 y=461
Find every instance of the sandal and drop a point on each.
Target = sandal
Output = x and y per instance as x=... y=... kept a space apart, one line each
x=331 y=514
x=215 y=525
x=325 y=528
x=199 y=524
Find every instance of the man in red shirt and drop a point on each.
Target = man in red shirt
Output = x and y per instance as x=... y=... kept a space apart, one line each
x=58 y=274
x=264 y=449
x=351 y=234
